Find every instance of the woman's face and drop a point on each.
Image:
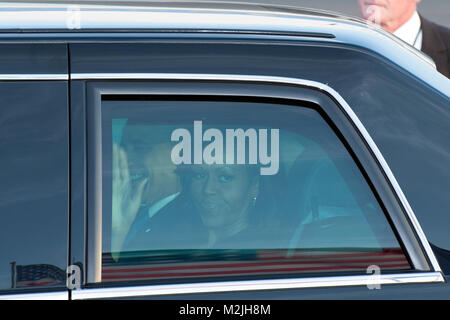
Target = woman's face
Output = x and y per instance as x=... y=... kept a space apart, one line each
x=223 y=194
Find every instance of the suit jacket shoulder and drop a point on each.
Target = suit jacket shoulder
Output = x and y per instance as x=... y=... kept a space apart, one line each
x=176 y=226
x=436 y=44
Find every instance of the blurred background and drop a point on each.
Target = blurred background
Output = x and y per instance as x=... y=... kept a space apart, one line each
x=437 y=11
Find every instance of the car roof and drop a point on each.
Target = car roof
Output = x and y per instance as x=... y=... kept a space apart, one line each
x=198 y=4
x=214 y=17
x=19 y=11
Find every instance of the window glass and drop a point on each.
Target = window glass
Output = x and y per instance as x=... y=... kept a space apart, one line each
x=226 y=189
x=34 y=189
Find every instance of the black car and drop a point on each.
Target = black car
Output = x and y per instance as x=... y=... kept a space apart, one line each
x=216 y=151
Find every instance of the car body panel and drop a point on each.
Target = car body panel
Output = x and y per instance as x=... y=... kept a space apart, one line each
x=393 y=89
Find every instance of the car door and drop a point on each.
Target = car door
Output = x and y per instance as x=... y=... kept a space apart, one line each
x=34 y=162
x=326 y=217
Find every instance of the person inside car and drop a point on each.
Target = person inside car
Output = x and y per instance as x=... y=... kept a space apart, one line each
x=143 y=181
x=220 y=206
x=214 y=206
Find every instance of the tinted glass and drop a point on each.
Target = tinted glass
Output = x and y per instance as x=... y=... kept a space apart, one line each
x=33 y=184
x=221 y=188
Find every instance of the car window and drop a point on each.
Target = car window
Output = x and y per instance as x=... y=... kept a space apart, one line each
x=34 y=185
x=231 y=188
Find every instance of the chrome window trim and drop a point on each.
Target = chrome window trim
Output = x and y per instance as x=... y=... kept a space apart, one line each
x=431 y=276
x=60 y=295
x=252 y=285
x=94 y=205
x=27 y=77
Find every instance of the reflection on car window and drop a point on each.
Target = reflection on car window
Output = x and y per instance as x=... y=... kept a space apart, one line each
x=195 y=189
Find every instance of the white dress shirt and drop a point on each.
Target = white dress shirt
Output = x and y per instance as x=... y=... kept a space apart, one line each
x=161 y=204
x=411 y=31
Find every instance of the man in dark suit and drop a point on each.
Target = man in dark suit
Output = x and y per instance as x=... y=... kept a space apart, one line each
x=401 y=18
x=436 y=44
x=143 y=180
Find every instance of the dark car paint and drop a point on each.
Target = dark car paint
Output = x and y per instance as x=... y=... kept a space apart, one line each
x=33 y=58
x=392 y=119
